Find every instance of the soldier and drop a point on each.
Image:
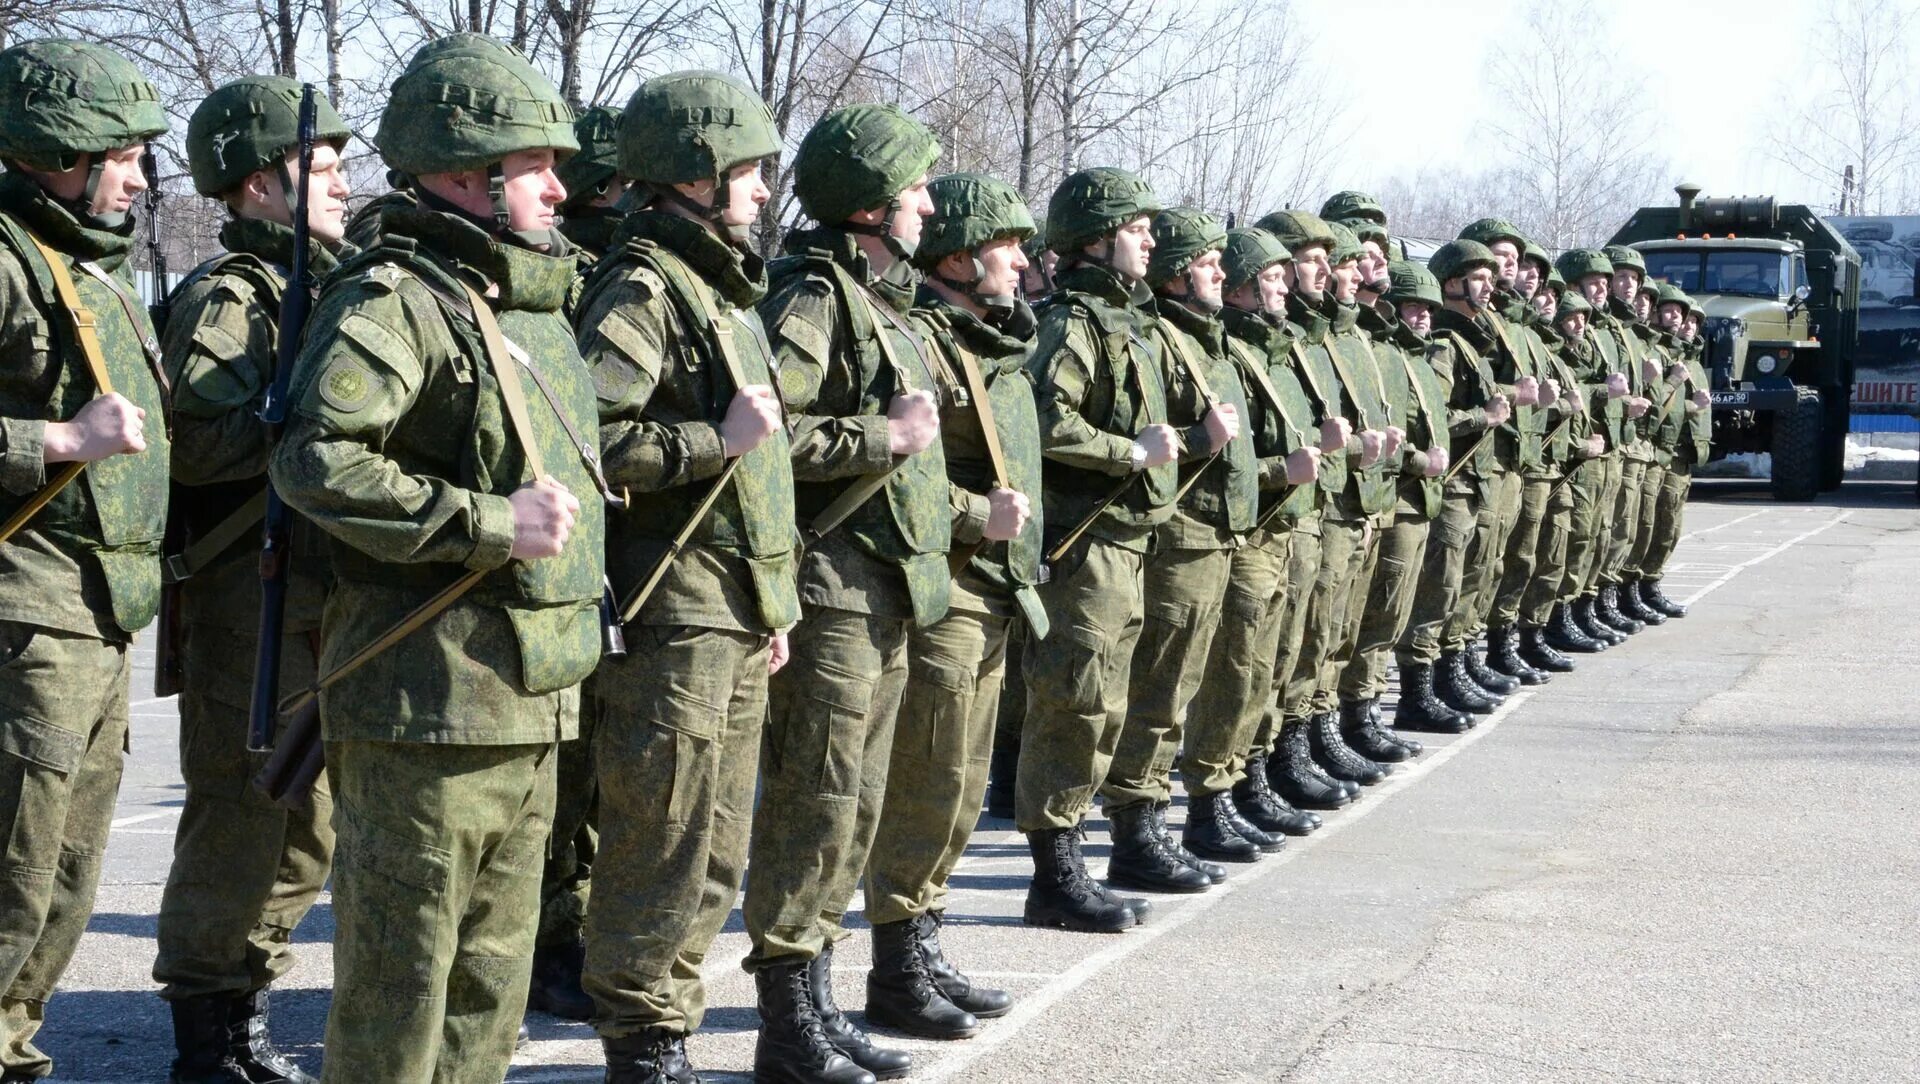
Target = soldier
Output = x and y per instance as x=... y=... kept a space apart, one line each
x=1593 y=356
x=1622 y=320
x=873 y=497
x=1109 y=478
x=981 y=333
x=1295 y=773
x=668 y=327
x=595 y=187
x=1350 y=208
x=1185 y=577
x=84 y=478
x=1688 y=432
x=468 y=575
x=1665 y=377
x=245 y=870
x=1265 y=607
x=1397 y=311
x=1036 y=282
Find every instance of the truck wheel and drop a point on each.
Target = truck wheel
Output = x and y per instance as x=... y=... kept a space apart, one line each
x=1837 y=406
x=1797 y=448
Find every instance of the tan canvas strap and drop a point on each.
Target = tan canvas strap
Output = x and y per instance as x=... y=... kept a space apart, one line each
x=589 y=453
x=1066 y=542
x=1313 y=382
x=499 y=359
x=148 y=347
x=1413 y=380
x=864 y=487
x=1192 y=366
x=1346 y=377
x=989 y=432
x=1264 y=384
x=238 y=524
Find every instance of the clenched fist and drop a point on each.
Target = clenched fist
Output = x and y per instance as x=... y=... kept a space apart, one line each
x=109 y=425
x=1617 y=386
x=1549 y=392
x=752 y=416
x=1396 y=436
x=543 y=518
x=1160 y=442
x=1701 y=400
x=913 y=421
x=1526 y=391
x=1303 y=466
x=1334 y=434
x=1498 y=410
x=1008 y=516
x=1223 y=424
x=1638 y=406
x=1438 y=460
x=1373 y=443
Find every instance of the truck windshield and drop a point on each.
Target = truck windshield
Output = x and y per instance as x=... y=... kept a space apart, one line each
x=1751 y=273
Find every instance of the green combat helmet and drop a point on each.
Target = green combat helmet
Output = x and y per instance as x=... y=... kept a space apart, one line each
x=61 y=99
x=1577 y=263
x=1250 y=250
x=1669 y=294
x=1489 y=230
x=1299 y=229
x=1554 y=282
x=465 y=103
x=1456 y=258
x=860 y=157
x=1571 y=303
x=1534 y=254
x=695 y=126
x=1408 y=281
x=249 y=125
x=971 y=210
x=588 y=172
x=1345 y=245
x=1092 y=204
x=1181 y=235
x=1366 y=230
x=1622 y=256
x=1342 y=206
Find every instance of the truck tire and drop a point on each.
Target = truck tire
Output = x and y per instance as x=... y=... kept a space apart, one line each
x=1837 y=406
x=1797 y=448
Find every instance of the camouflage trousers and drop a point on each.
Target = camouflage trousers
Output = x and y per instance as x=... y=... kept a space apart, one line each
x=566 y=880
x=1587 y=534
x=1652 y=484
x=1341 y=555
x=1184 y=590
x=1550 y=556
x=1523 y=549
x=1669 y=513
x=1625 y=521
x=1351 y=613
x=1077 y=683
x=1237 y=684
x=677 y=748
x=436 y=896
x=1442 y=566
x=1387 y=605
x=1486 y=555
x=245 y=870
x=1286 y=626
x=829 y=740
x=941 y=746
x=63 y=730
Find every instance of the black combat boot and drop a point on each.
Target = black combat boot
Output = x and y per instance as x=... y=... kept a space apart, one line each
x=1209 y=832
x=249 y=1043
x=1140 y=859
x=1061 y=894
x=1254 y=797
x=984 y=1002
x=1366 y=738
x=793 y=1047
x=1539 y=654
x=1607 y=609
x=902 y=993
x=1627 y=599
x=1137 y=904
x=1268 y=842
x=650 y=1056
x=1485 y=676
x=1657 y=599
x=1295 y=777
x=1000 y=771
x=1585 y=615
x=203 y=1038
x=556 y=987
x=1563 y=632
x=1216 y=873
x=1421 y=708
x=1504 y=656
x=1379 y=722
x=1457 y=690
x=883 y=1063
x=1336 y=757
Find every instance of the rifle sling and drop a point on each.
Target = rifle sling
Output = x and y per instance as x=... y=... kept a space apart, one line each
x=969 y=375
x=201 y=552
x=148 y=347
x=864 y=487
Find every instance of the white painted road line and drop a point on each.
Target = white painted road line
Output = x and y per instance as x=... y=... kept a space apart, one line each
x=1838 y=518
x=140 y=818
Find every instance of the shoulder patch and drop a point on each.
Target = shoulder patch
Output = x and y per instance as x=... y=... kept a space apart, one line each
x=346 y=385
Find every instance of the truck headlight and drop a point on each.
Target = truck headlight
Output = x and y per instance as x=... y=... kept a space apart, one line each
x=1766 y=363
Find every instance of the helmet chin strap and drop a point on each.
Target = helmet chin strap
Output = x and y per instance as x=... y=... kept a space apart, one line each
x=997 y=306
x=83 y=207
x=902 y=250
x=735 y=234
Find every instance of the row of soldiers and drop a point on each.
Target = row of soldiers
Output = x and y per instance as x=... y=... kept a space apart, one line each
x=1198 y=500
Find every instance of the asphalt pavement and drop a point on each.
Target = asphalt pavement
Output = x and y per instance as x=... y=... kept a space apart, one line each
x=1694 y=859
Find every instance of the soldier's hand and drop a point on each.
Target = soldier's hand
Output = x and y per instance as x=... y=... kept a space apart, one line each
x=1617 y=385
x=752 y=417
x=1526 y=391
x=1438 y=460
x=1638 y=406
x=1549 y=391
x=1160 y=442
x=1334 y=434
x=1596 y=446
x=1396 y=437
x=1498 y=410
x=913 y=422
x=1372 y=444
x=1701 y=399
x=1649 y=369
x=543 y=518
x=1676 y=372
x=1223 y=424
x=778 y=652
x=1009 y=515
x=109 y=425
x=1303 y=466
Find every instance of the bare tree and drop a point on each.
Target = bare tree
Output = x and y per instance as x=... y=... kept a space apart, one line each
x=1852 y=108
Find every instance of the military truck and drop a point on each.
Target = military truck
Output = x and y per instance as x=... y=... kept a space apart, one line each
x=1781 y=289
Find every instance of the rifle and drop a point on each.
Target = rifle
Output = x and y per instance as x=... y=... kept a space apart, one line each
x=167 y=673
x=276 y=533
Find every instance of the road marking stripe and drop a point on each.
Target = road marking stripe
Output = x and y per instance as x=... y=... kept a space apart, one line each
x=139 y=818
x=1717 y=527
x=1838 y=518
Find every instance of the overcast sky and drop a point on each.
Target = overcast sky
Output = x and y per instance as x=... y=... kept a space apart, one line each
x=1725 y=66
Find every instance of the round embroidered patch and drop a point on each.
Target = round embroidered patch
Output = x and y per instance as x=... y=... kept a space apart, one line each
x=346 y=385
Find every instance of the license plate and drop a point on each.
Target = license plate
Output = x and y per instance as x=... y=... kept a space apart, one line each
x=1729 y=398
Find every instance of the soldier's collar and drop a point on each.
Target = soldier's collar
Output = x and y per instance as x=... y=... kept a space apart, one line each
x=1009 y=335
x=525 y=280
x=273 y=243
x=1103 y=284
x=57 y=224
x=1313 y=323
x=591 y=228
x=739 y=275
x=1262 y=329
x=1473 y=331
x=1345 y=315
x=1204 y=326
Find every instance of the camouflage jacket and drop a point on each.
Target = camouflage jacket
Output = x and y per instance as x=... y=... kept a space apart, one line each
x=1666 y=419
x=1600 y=360
x=663 y=387
x=400 y=449
x=1568 y=426
x=843 y=351
x=1465 y=342
x=1370 y=489
x=89 y=562
x=1518 y=440
x=1696 y=433
x=1097 y=379
x=1223 y=497
x=1634 y=339
x=998 y=575
x=221 y=347
x=1419 y=393
x=1315 y=366
x=1280 y=416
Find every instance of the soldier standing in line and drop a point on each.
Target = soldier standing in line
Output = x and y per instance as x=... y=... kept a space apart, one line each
x=680 y=366
x=435 y=437
x=1688 y=433
x=1664 y=377
x=1621 y=322
x=245 y=870
x=1594 y=357
x=595 y=183
x=1109 y=474
x=981 y=333
x=876 y=513
x=83 y=497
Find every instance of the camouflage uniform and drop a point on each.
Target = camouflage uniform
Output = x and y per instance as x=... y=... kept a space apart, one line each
x=82 y=576
x=1595 y=484
x=666 y=319
x=1662 y=435
x=1687 y=430
x=441 y=749
x=589 y=175
x=1636 y=454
